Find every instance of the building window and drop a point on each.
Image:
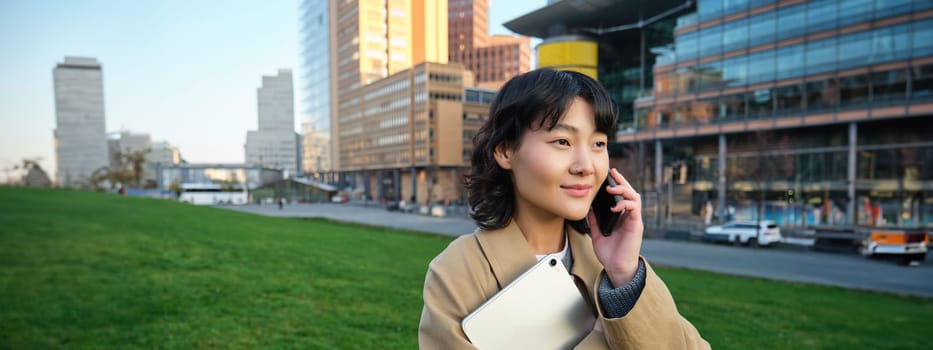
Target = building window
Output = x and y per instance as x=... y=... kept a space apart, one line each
x=760 y=103
x=761 y=29
x=761 y=67
x=922 y=32
x=789 y=99
x=853 y=90
x=922 y=84
x=821 y=56
x=712 y=41
x=821 y=94
x=792 y=21
x=734 y=106
x=855 y=11
x=735 y=71
x=852 y=52
x=735 y=35
x=821 y=15
x=791 y=62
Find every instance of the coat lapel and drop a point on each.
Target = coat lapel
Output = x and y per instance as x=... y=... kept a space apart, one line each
x=507 y=252
x=509 y=255
x=585 y=264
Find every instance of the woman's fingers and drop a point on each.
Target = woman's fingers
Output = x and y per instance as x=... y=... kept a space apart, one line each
x=624 y=189
x=622 y=186
x=627 y=205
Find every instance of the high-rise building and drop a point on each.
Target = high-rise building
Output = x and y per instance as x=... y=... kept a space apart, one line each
x=429 y=41
x=372 y=39
x=319 y=88
x=80 y=125
x=469 y=27
x=802 y=112
x=349 y=44
x=409 y=136
x=316 y=70
x=275 y=143
x=316 y=145
x=494 y=60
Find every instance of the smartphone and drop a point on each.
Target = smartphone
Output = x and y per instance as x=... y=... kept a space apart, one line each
x=602 y=203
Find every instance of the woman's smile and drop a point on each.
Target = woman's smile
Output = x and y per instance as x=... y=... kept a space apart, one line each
x=577 y=190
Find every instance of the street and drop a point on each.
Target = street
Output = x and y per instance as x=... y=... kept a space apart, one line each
x=797 y=265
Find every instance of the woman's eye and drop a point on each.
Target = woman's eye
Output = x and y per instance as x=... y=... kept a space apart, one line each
x=600 y=144
x=562 y=142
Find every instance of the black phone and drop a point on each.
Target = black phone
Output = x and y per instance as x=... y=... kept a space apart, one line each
x=602 y=203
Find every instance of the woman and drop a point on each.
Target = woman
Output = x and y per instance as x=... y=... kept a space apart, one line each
x=537 y=165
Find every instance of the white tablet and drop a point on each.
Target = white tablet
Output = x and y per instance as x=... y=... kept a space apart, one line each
x=541 y=309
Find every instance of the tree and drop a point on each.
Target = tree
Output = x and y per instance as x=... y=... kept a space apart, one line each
x=34 y=175
x=133 y=161
x=127 y=169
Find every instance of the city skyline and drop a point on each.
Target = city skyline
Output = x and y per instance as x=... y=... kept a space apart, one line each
x=170 y=69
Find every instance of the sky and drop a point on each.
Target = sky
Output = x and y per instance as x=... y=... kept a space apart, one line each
x=185 y=72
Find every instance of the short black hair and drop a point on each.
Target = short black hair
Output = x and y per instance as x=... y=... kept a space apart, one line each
x=529 y=101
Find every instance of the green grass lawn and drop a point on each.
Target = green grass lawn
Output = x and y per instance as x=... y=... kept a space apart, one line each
x=95 y=270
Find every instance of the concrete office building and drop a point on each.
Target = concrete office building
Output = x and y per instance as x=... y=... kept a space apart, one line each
x=80 y=125
x=371 y=40
x=818 y=110
x=493 y=59
x=275 y=144
x=164 y=153
x=409 y=136
x=348 y=45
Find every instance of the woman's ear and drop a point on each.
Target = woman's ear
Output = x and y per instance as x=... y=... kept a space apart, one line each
x=503 y=155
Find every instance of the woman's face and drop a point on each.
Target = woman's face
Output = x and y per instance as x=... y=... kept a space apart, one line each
x=557 y=172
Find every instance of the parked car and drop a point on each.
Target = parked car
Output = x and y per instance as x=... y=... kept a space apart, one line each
x=744 y=232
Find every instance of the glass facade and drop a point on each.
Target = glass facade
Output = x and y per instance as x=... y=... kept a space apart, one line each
x=625 y=75
x=880 y=45
x=316 y=63
x=782 y=87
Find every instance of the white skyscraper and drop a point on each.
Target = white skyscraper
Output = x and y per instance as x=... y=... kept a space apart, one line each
x=80 y=127
x=275 y=144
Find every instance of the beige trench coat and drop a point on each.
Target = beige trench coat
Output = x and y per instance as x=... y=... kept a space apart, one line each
x=475 y=267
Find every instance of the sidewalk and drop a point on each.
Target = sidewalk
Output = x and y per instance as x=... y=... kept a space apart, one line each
x=375 y=215
x=784 y=264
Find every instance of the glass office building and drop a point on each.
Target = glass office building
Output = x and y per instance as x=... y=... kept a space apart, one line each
x=819 y=107
x=817 y=110
x=316 y=63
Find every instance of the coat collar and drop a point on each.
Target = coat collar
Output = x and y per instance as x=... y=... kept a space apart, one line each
x=509 y=254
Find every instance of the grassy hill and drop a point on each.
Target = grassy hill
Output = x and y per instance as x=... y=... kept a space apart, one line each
x=96 y=270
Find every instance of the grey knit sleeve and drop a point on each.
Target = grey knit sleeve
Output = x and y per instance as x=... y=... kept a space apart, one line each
x=617 y=302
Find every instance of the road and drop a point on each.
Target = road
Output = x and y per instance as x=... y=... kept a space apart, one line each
x=796 y=265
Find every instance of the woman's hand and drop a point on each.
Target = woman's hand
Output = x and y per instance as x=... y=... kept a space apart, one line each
x=619 y=252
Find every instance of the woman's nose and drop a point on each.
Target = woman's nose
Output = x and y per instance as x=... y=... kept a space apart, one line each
x=582 y=165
